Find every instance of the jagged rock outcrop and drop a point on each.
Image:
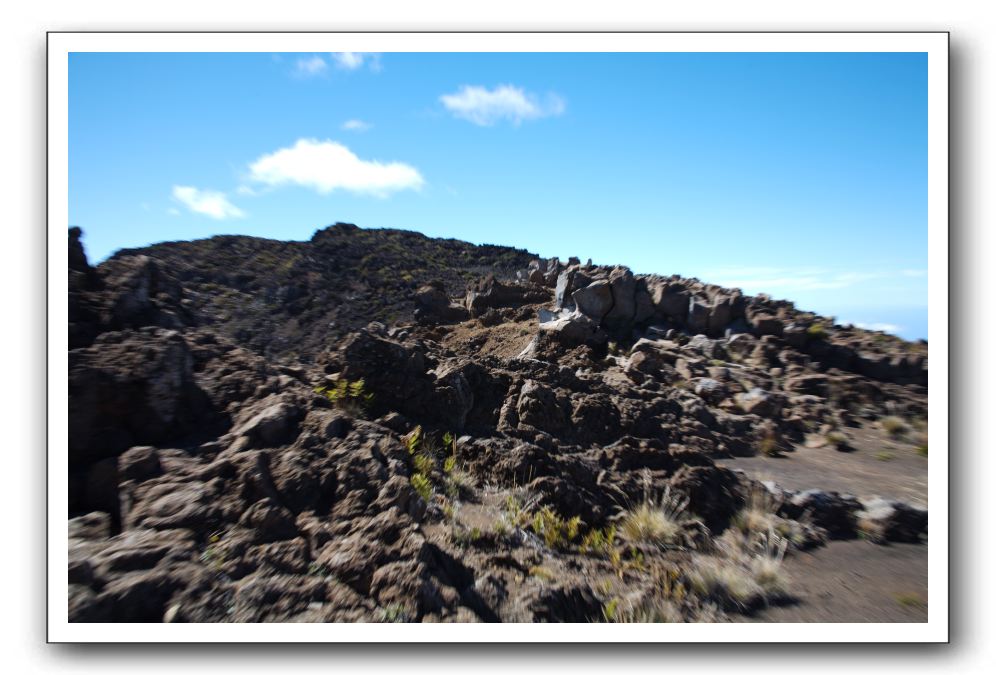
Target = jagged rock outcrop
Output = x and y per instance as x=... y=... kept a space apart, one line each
x=446 y=451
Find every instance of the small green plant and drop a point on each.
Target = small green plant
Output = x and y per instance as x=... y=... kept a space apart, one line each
x=449 y=464
x=500 y=528
x=817 y=331
x=609 y=609
x=922 y=450
x=911 y=600
x=884 y=456
x=393 y=613
x=423 y=464
x=349 y=396
x=413 y=440
x=556 y=532
x=422 y=485
x=599 y=541
x=894 y=426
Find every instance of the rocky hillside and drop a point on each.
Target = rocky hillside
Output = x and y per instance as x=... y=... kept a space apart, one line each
x=291 y=299
x=374 y=425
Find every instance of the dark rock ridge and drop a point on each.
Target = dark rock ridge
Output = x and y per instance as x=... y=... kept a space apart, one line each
x=375 y=425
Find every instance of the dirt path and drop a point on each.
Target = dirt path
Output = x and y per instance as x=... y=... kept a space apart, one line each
x=855 y=581
x=879 y=466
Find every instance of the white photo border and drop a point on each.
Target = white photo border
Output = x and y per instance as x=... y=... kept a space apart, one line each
x=934 y=44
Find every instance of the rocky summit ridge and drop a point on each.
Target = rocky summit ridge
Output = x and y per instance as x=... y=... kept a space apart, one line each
x=374 y=425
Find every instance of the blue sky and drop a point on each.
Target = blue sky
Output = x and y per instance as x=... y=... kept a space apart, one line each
x=800 y=175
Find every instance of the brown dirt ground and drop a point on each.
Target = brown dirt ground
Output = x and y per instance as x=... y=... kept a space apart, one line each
x=852 y=581
x=505 y=340
x=899 y=473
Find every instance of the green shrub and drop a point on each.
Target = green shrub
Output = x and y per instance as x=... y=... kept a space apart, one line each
x=423 y=464
x=349 y=396
x=599 y=541
x=817 y=331
x=413 y=440
x=422 y=485
x=556 y=532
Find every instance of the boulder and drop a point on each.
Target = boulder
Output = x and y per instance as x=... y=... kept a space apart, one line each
x=757 y=401
x=883 y=520
x=272 y=426
x=670 y=302
x=835 y=513
x=139 y=464
x=623 y=312
x=594 y=300
x=130 y=388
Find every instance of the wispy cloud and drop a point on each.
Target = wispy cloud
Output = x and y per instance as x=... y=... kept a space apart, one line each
x=310 y=66
x=775 y=279
x=356 y=125
x=207 y=202
x=485 y=107
x=325 y=166
x=884 y=327
x=356 y=60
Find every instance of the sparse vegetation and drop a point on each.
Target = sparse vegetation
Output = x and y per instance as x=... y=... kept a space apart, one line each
x=817 y=331
x=911 y=600
x=768 y=446
x=394 y=613
x=658 y=524
x=542 y=573
x=349 y=396
x=759 y=512
x=422 y=485
x=745 y=574
x=599 y=541
x=922 y=450
x=884 y=456
x=555 y=530
x=893 y=425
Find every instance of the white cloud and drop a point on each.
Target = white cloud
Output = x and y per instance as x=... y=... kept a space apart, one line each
x=309 y=67
x=325 y=166
x=485 y=107
x=356 y=60
x=884 y=327
x=356 y=125
x=206 y=202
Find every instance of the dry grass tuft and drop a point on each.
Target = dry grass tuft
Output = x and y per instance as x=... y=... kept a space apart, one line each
x=656 y=522
x=893 y=425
